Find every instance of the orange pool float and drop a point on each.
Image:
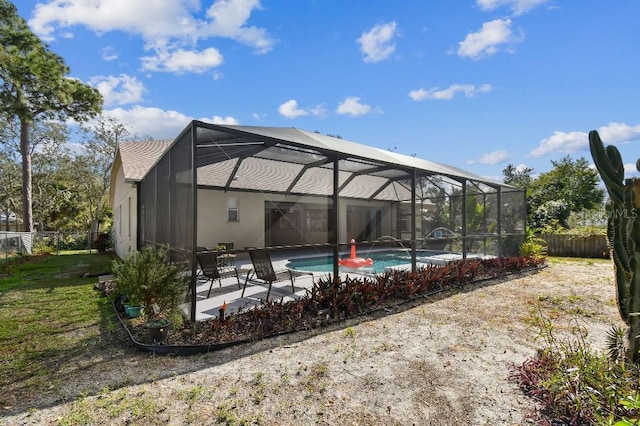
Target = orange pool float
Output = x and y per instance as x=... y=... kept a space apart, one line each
x=353 y=261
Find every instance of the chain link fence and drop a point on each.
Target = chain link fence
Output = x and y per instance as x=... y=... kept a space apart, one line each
x=13 y=243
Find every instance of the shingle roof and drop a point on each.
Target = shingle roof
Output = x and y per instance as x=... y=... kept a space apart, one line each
x=138 y=157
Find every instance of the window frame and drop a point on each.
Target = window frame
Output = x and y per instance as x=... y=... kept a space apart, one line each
x=233 y=209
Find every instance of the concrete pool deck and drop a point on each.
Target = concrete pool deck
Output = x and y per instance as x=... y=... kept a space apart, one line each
x=256 y=291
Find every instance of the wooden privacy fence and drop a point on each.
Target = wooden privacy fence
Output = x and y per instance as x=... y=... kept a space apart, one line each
x=576 y=246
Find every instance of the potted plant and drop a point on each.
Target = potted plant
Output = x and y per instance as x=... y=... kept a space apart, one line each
x=149 y=277
x=124 y=299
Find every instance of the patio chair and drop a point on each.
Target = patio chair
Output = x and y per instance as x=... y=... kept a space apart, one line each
x=226 y=258
x=263 y=270
x=211 y=271
x=199 y=273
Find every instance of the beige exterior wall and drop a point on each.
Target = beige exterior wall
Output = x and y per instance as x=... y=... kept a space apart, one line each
x=249 y=231
x=125 y=215
x=214 y=228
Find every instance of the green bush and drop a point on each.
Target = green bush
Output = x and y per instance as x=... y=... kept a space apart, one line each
x=71 y=243
x=585 y=231
x=43 y=248
x=149 y=279
x=533 y=246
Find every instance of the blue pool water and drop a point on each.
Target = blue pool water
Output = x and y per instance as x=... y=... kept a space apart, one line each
x=381 y=260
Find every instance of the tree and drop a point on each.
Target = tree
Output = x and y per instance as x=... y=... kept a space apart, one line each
x=9 y=186
x=54 y=198
x=571 y=186
x=34 y=84
x=9 y=172
x=438 y=216
x=101 y=143
x=520 y=177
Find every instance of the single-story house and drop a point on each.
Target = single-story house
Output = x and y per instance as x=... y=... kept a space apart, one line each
x=273 y=187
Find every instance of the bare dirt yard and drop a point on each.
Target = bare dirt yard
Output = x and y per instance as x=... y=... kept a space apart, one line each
x=439 y=361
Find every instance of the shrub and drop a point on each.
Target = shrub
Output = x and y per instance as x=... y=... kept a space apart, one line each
x=72 y=243
x=103 y=242
x=585 y=231
x=573 y=384
x=335 y=300
x=148 y=278
x=533 y=246
x=43 y=248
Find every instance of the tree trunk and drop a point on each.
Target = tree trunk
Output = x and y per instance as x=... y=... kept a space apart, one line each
x=95 y=221
x=25 y=151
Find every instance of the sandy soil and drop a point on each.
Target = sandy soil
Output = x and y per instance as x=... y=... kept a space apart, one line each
x=444 y=360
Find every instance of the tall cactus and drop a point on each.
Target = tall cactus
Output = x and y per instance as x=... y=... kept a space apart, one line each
x=623 y=233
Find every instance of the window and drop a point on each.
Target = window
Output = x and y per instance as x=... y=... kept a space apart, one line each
x=320 y=220
x=232 y=210
x=129 y=218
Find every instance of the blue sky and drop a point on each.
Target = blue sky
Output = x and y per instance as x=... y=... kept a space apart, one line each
x=475 y=84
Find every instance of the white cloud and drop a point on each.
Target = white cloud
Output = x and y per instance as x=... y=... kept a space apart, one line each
x=518 y=7
x=164 y=25
x=494 y=157
x=155 y=122
x=377 y=43
x=228 y=20
x=118 y=90
x=469 y=90
x=158 y=123
x=630 y=170
x=619 y=133
x=570 y=142
x=565 y=142
x=109 y=54
x=290 y=109
x=521 y=167
x=488 y=40
x=216 y=119
x=352 y=106
x=180 y=61
x=318 y=110
x=150 y=19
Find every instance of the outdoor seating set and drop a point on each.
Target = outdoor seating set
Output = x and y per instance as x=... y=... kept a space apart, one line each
x=214 y=267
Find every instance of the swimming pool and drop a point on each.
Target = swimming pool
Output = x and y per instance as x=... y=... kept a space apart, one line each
x=381 y=260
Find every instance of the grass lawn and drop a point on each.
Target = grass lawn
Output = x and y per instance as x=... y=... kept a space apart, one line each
x=50 y=314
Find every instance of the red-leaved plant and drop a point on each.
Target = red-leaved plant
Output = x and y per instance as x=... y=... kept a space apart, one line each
x=335 y=300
